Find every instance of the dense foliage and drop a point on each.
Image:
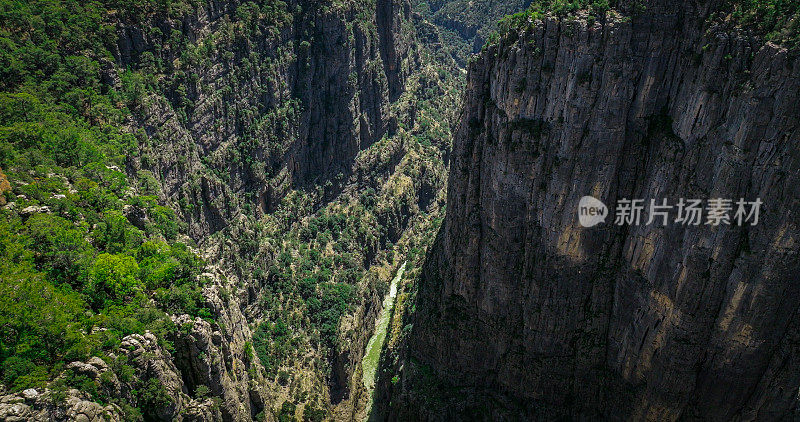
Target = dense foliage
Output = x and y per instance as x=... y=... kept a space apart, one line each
x=87 y=255
x=538 y=9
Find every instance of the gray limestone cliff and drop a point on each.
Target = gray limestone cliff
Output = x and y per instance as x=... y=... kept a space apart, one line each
x=261 y=102
x=521 y=312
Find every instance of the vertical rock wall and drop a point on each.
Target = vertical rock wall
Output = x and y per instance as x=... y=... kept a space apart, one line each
x=519 y=301
x=286 y=97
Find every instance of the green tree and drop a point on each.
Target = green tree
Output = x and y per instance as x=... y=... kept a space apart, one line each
x=60 y=247
x=113 y=278
x=39 y=323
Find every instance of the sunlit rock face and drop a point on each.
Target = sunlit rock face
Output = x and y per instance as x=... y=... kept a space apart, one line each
x=522 y=308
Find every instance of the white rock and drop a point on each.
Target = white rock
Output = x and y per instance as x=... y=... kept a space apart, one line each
x=35 y=209
x=30 y=394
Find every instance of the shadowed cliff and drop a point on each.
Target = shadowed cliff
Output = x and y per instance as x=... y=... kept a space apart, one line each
x=521 y=312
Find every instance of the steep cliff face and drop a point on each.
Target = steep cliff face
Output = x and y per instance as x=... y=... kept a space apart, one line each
x=255 y=101
x=522 y=310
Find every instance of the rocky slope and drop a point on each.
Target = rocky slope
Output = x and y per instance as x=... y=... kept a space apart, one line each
x=148 y=362
x=283 y=100
x=302 y=145
x=522 y=312
x=258 y=102
x=286 y=106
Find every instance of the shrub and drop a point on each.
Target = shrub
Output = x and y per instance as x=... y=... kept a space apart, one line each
x=113 y=278
x=201 y=392
x=287 y=412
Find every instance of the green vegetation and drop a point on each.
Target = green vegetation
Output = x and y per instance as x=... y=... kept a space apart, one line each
x=271 y=343
x=313 y=414
x=287 y=412
x=566 y=7
x=147 y=397
x=540 y=8
x=464 y=25
x=775 y=20
x=90 y=251
x=313 y=271
x=76 y=272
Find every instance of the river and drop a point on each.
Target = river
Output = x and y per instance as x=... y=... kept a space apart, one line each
x=369 y=363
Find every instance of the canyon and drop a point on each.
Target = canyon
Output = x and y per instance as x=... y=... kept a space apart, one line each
x=297 y=148
x=336 y=211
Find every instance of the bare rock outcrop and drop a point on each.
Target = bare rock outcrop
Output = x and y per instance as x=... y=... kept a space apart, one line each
x=153 y=371
x=522 y=312
x=31 y=405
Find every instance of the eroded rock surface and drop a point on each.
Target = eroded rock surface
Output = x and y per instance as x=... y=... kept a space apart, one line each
x=149 y=362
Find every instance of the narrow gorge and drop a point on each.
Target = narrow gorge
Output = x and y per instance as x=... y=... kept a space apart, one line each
x=351 y=210
x=214 y=198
